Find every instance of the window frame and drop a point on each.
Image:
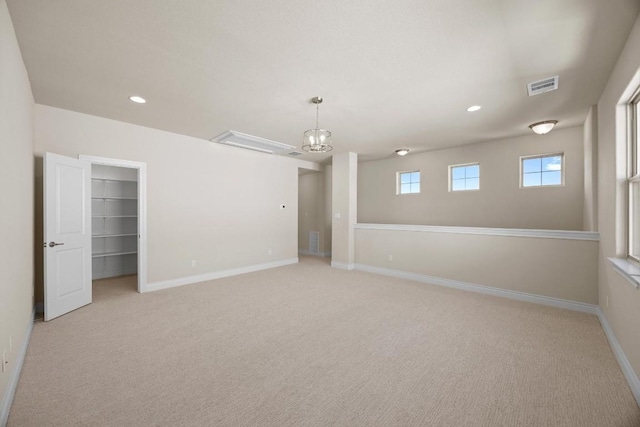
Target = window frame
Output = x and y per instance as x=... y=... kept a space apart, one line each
x=633 y=167
x=461 y=165
x=542 y=156
x=399 y=183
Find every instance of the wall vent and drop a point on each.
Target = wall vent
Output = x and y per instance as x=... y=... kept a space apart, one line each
x=250 y=142
x=295 y=154
x=542 y=86
x=314 y=242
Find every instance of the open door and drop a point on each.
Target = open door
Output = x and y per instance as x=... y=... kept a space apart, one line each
x=67 y=231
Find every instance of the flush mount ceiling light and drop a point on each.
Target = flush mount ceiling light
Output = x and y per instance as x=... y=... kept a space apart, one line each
x=474 y=108
x=137 y=99
x=402 y=151
x=543 y=127
x=317 y=140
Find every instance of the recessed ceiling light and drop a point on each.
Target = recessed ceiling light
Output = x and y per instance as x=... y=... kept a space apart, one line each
x=402 y=151
x=474 y=108
x=137 y=99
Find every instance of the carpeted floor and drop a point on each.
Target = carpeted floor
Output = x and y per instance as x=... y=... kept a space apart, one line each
x=308 y=345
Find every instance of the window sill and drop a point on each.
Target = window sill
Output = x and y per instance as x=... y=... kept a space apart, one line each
x=627 y=269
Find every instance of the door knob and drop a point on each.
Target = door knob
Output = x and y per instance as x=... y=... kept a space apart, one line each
x=52 y=244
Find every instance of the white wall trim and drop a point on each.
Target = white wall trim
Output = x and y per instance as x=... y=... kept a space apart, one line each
x=505 y=293
x=10 y=392
x=308 y=252
x=627 y=370
x=510 y=232
x=165 y=284
x=142 y=209
x=343 y=266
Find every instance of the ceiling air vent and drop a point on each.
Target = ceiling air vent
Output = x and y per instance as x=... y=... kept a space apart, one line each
x=250 y=142
x=542 y=86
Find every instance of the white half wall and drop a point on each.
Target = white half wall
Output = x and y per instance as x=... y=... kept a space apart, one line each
x=562 y=268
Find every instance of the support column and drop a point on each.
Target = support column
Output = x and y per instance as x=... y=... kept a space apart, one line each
x=344 y=202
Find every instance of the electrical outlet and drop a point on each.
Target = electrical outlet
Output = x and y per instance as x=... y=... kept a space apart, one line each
x=193 y=263
x=390 y=257
x=269 y=251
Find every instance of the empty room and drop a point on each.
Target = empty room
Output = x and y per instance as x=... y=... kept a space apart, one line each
x=314 y=213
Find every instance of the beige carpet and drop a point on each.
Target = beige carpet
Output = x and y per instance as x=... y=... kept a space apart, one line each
x=308 y=345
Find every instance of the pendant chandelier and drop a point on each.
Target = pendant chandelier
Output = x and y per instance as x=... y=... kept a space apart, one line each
x=317 y=140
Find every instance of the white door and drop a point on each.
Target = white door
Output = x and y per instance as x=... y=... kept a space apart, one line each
x=67 y=231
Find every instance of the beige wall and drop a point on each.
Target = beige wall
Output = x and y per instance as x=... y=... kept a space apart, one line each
x=16 y=188
x=312 y=212
x=500 y=202
x=557 y=268
x=212 y=203
x=590 y=202
x=623 y=308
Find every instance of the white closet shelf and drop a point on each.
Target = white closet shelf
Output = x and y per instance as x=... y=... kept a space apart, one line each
x=113 y=198
x=101 y=254
x=113 y=235
x=113 y=180
x=114 y=216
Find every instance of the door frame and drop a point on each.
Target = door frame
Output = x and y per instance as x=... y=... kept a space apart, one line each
x=142 y=209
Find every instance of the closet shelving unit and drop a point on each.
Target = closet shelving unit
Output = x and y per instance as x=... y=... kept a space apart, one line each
x=114 y=227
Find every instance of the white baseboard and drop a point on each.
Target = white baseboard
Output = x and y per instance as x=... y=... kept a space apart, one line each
x=627 y=370
x=5 y=407
x=165 y=284
x=308 y=252
x=343 y=266
x=516 y=295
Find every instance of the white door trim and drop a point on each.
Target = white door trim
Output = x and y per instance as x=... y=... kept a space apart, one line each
x=142 y=209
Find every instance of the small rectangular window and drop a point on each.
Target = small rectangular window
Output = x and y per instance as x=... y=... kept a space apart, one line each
x=408 y=182
x=464 y=177
x=542 y=170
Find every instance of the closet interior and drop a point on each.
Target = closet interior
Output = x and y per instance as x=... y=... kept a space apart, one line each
x=114 y=221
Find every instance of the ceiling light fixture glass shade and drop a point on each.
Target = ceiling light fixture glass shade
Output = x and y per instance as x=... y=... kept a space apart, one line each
x=543 y=127
x=317 y=140
x=402 y=151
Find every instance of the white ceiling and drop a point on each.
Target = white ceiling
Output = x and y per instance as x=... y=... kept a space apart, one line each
x=392 y=73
